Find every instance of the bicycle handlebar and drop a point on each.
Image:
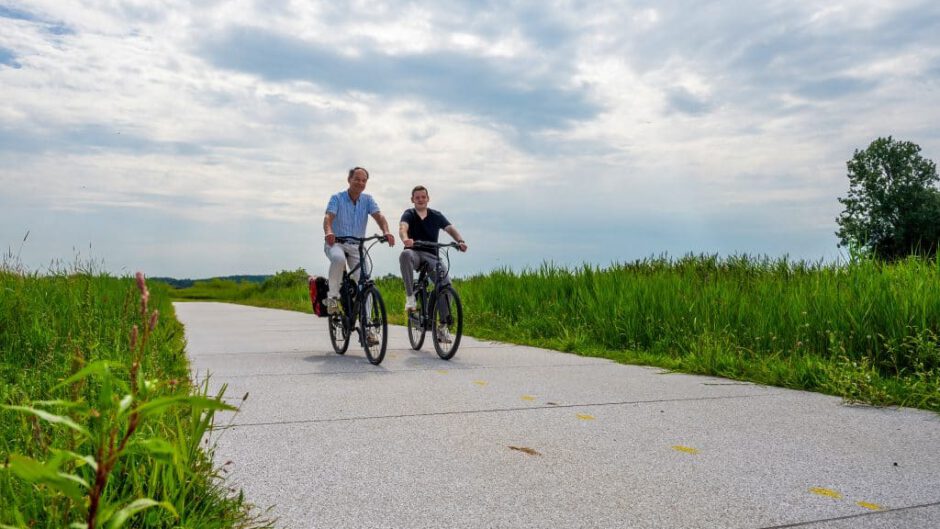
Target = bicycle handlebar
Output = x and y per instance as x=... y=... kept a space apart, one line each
x=377 y=237
x=429 y=244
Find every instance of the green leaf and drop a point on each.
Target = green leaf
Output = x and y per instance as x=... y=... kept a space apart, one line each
x=104 y=395
x=121 y=517
x=63 y=403
x=73 y=478
x=50 y=417
x=95 y=368
x=82 y=459
x=195 y=401
x=159 y=449
x=36 y=472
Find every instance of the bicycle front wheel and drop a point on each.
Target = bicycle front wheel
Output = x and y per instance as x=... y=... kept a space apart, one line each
x=416 y=319
x=374 y=322
x=339 y=334
x=447 y=322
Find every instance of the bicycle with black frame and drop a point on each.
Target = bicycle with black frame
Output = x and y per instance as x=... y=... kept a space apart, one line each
x=439 y=309
x=361 y=307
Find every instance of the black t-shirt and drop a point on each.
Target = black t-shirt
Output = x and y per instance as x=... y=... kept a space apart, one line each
x=427 y=229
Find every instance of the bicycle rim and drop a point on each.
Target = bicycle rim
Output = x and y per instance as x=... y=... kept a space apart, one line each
x=339 y=335
x=375 y=324
x=447 y=315
x=416 y=323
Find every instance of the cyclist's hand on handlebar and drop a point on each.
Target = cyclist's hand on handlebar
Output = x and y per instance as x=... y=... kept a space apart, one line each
x=462 y=246
x=330 y=239
x=390 y=238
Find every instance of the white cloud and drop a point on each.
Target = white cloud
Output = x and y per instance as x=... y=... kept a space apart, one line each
x=663 y=127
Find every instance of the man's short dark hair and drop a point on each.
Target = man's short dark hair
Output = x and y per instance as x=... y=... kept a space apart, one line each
x=354 y=169
x=418 y=188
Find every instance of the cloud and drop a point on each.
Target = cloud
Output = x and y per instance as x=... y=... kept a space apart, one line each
x=681 y=100
x=500 y=91
x=835 y=87
x=89 y=137
x=562 y=130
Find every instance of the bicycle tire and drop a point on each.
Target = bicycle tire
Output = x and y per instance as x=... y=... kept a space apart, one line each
x=375 y=320
x=416 y=326
x=339 y=334
x=448 y=297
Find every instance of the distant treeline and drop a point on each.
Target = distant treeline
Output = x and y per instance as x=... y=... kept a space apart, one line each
x=186 y=283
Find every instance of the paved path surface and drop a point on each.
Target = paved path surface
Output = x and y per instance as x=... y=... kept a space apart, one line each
x=335 y=442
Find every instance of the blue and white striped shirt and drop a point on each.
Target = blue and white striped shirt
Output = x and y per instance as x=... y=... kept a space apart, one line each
x=351 y=219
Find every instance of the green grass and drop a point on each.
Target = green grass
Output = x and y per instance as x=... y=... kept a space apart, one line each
x=131 y=412
x=867 y=331
x=286 y=290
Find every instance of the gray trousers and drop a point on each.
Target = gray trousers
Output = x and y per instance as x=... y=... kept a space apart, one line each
x=410 y=260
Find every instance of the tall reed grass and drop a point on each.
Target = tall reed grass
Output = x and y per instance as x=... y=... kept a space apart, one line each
x=99 y=423
x=865 y=330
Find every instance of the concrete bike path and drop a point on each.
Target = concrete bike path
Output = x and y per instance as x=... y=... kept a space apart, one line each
x=519 y=437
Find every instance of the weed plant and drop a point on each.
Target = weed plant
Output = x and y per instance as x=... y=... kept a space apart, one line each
x=100 y=425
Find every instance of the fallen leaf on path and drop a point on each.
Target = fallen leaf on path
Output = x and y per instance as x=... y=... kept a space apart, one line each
x=525 y=450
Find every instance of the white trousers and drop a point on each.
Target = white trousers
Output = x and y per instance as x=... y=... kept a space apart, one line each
x=341 y=255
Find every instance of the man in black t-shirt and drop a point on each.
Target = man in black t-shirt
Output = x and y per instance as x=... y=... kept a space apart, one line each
x=421 y=223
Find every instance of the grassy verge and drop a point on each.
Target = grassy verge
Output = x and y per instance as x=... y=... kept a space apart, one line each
x=866 y=331
x=99 y=423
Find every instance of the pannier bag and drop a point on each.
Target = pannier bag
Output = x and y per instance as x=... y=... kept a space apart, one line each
x=318 y=287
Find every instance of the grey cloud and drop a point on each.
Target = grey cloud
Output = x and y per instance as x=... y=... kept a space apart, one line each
x=500 y=91
x=834 y=87
x=295 y=115
x=753 y=55
x=681 y=100
x=86 y=138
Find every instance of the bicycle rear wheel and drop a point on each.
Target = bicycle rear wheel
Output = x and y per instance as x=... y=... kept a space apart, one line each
x=339 y=333
x=374 y=322
x=446 y=322
x=416 y=327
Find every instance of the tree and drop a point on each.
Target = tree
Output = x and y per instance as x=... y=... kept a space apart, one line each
x=893 y=205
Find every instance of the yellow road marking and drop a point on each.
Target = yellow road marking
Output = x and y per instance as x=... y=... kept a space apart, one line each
x=829 y=493
x=442 y=371
x=869 y=506
x=480 y=383
x=527 y=397
x=686 y=449
x=585 y=417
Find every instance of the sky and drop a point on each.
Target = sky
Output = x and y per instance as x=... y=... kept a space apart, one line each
x=204 y=138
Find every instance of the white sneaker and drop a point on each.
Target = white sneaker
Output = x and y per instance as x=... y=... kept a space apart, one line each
x=372 y=338
x=411 y=304
x=332 y=305
x=443 y=335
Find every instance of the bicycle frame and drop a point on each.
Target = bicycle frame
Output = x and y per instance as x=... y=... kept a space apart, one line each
x=351 y=292
x=421 y=285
